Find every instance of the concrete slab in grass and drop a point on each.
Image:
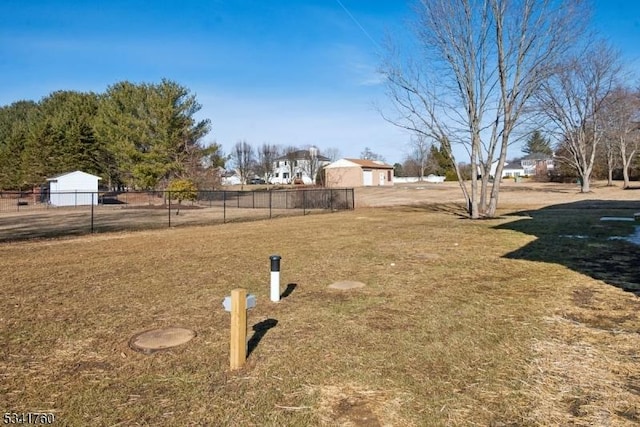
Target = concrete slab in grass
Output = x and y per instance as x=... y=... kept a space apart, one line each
x=616 y=218
x=160 y=339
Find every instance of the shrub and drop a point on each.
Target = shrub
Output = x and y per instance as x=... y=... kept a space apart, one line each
x=182 y=189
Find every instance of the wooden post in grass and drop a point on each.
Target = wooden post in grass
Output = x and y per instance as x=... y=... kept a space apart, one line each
x=238 y=353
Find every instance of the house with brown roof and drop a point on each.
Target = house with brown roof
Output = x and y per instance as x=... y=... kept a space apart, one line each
x=358 y=173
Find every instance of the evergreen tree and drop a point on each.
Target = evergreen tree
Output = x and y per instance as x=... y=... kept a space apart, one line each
x=440 y=163
x=138 y=135
x=150 y=129
x=14 y=129
x=62 y=138
x=398 y=170
x=536 y=143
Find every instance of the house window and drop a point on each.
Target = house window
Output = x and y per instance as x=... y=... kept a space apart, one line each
x=389 y=176
x=285 y=175
x=295 y=163
x=277 y=174
x=298 y=174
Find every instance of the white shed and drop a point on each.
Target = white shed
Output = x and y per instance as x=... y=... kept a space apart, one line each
x=73 y=189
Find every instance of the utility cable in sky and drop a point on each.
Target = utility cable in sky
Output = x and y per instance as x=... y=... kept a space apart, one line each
x=353 y=18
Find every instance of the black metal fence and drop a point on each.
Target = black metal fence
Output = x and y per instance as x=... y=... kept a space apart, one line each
x=34 y=214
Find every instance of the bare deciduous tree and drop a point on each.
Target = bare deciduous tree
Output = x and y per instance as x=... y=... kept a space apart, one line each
x=243 y=158
x=203 y=165
x=419 y=153
x=484 y=61
x=312 y=162
x=409 y=167
x=267 y=155
x=369 y=154
x=609 y=156
x=573 y=100
x=621 y=124
x=332 y=153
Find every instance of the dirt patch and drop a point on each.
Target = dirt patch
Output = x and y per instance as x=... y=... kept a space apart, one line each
x=356 y=406
x=583 y=297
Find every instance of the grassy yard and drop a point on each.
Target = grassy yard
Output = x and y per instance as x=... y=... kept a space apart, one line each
x=519 y=320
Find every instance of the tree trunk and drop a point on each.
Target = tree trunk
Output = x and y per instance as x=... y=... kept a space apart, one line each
x=493 y=204
x=626 y=163
x=482 y=203
x=495 y=191
x=584 y=184
x=475 y=213
x=625 y=175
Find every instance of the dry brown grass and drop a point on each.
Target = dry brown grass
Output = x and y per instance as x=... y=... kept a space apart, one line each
x=452 y=329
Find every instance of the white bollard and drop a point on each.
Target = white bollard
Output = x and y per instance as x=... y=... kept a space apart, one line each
x=275 y=277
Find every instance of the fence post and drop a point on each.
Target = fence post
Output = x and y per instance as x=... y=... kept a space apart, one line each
x=270 y=202
x=304 y=202
x=253 y=196
x=169 y=194
x=224 y=206
x=75 y=198
x=331 y=200
x=353 y=198
x=92 y=212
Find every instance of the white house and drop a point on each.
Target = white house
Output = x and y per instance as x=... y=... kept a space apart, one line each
x=73 y=189
x=229 y=177
x=537 y=164
x=512 y=170
x=298 y=165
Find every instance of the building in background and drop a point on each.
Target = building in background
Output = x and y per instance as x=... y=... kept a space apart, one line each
x=73 y=189
x=299 y=166
x=358 y=173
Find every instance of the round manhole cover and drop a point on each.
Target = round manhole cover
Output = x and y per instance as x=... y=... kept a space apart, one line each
x=346 y=285
x=160 y=339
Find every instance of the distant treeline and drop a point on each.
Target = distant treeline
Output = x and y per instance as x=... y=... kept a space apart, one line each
x=135 y=135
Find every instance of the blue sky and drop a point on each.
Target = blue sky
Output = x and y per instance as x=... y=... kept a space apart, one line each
x=282 y=71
